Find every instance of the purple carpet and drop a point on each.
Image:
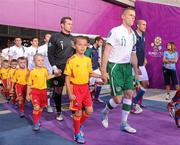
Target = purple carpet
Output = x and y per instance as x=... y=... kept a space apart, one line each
x=153 y=128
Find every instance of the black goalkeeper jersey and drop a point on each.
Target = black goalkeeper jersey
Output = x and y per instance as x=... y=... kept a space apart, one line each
x=60 y=49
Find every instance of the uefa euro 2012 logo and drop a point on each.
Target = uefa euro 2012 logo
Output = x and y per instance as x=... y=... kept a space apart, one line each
x=156 y=45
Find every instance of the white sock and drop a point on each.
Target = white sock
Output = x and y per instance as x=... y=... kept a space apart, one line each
x=110 y=105
x=126 y=109
x=49 y=102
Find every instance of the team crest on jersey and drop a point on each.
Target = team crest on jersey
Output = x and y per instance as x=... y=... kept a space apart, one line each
x=35 y=100
x=14 y=53
x=55 y=82
x=118 y=89
x=156 y=46
x=19 y=94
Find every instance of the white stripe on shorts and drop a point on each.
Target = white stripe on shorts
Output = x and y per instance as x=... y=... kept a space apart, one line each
x=112 y=80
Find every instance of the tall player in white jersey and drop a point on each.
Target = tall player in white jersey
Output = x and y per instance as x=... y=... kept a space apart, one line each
x=118 y=59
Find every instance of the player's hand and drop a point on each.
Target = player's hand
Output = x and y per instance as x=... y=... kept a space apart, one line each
x=105 y=76
x=138 y=83
x=58 y=73
x=137 y=80
x=136 y=75
x=145 y=62
x=99 y=76
x=139 y=72
x=72 y=97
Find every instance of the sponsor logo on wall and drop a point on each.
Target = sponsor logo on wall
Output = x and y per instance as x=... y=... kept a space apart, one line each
x=156 y=47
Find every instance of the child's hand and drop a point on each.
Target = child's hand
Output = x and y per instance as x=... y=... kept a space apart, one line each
x=145 y=62
x=11 y=90
x=28 y=98
x=100 y=76
x=8 y=87
x=72 y=97
x=58 y=73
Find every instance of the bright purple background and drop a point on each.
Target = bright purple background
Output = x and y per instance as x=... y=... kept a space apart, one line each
x=89 y=16
x=163 y=21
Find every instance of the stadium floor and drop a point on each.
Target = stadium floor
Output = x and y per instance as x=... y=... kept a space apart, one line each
x=154 y=126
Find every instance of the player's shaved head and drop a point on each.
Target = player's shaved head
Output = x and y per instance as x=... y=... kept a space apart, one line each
x=128 y=9
x=140 y=21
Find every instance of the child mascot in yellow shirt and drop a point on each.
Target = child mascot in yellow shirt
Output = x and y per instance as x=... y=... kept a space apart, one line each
x=19 y=83
x=78 y=70
x=37 y=89
x=4 y=78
